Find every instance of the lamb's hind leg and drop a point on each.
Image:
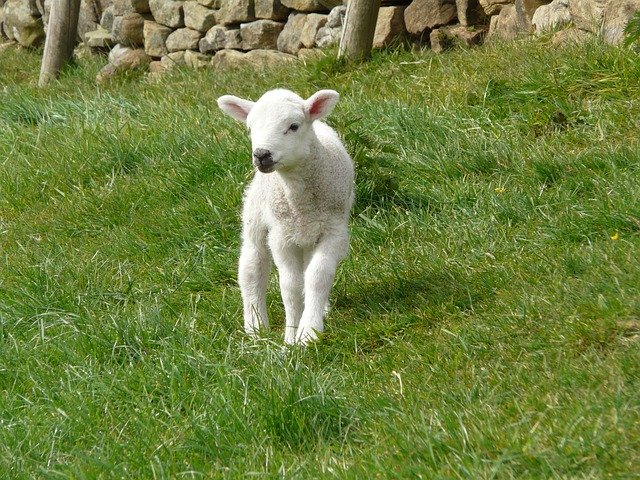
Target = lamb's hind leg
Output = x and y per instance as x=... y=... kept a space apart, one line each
x=253 y=276
x=288 y=260
x=318 y=280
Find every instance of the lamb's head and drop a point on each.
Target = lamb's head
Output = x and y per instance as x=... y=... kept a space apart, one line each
x=280 y=124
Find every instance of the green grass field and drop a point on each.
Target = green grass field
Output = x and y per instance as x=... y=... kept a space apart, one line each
x=485 y=326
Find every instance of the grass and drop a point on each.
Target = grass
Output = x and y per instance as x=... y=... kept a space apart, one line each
x=484 y=326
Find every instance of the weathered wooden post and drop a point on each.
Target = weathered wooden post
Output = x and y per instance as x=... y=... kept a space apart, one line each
x=61 y=38
x=359 y=28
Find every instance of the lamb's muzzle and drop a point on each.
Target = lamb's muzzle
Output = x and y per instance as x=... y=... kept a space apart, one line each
x=263 y=160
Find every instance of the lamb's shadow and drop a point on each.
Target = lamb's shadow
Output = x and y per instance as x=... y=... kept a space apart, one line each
x=409 y=303
x=411 y=291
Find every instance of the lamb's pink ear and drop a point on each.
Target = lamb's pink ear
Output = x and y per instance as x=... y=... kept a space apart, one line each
x=235 y=107
x=321 y=103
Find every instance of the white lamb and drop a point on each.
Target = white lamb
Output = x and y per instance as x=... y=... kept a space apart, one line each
x=296 y=209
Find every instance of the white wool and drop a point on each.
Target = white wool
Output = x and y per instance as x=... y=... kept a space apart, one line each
x=296 y=209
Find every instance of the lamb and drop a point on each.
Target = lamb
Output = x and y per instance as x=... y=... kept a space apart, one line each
x=295 y=210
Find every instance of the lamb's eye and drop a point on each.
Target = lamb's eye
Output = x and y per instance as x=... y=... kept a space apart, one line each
x=293 y=127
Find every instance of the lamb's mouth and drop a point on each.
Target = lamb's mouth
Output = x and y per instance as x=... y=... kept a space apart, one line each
x=268 y=168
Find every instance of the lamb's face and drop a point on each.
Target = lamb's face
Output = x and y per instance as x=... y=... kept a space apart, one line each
x=280 y=125
x=280 y=133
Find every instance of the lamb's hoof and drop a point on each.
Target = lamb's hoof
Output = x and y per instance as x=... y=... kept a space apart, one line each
x=290 y=335
x=307 y=335
x=252 y=333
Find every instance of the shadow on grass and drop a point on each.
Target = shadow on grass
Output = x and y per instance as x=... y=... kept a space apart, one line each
x=390 y=309
x=411 y=290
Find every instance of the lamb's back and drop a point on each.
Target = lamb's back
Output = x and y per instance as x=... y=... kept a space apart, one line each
x=335 y=171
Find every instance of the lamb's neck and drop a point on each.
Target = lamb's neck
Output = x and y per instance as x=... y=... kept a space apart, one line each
x=300 y=184
x=297 y=182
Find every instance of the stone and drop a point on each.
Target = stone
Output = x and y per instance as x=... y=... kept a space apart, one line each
x=470 y=12
x=306 y=6
x=424 y=15
x=156 y=68
x=122 y=7
x=615 y=19
x=123 y=58
x=183 y=39
x=289 y=39
x=450 y=36
x=23 y=23
x=571 y=36
x=493 y=7
x=300 y=32
x=229 y=59
x=529 y=7
x=328 y=36
x=196 y=60
x=103 y=5
x=215 y=4
x=129 y=29
x=173 y=60
x=524 y=13
x=587 y=14
x=269 y=58
x=271 y=10
x=504 y=26
x=219 y=38
x=100 y=39
x=155 y=38
x=233 y=39
x=551 y=16
x=389 y=27
x=198 y=17
x=313 y=23
x=331 y=33
x=236 y=11
x=336 y=16
x=106 y=20
x=88 y=18
x=169 y=13
x=261 y=34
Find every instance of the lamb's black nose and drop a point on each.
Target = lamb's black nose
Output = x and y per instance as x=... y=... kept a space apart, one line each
x=262 y=156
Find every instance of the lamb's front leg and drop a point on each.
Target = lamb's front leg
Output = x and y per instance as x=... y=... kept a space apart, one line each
x=288 y=260
x=253 y=276
x=318 y=280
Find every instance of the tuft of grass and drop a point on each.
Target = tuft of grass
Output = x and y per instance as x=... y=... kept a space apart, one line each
x=483 y=326
x=632 y=31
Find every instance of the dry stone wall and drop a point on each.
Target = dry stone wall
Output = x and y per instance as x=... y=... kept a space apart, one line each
x=163 y=34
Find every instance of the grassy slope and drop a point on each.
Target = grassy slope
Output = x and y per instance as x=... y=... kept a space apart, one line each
x=482 y=326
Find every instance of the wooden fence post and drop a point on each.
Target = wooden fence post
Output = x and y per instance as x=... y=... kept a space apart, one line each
x=359 y=28
x=61 y=38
